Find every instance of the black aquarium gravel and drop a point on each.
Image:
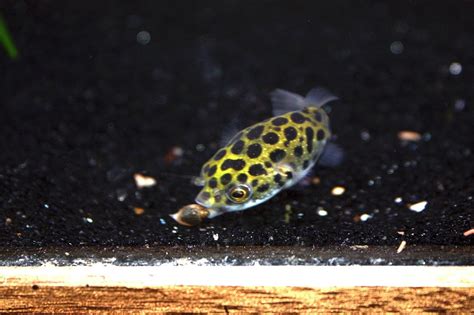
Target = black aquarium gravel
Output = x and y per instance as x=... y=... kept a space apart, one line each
x=101 y=91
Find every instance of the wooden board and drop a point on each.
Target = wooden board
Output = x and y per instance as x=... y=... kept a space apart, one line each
x=93 y=300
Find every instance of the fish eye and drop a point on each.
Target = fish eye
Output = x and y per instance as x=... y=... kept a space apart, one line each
x=239 y=193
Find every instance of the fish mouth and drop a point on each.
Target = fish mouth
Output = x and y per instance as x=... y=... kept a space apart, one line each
x=202 y=200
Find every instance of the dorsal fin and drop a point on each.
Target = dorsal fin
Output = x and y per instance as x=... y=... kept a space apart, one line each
x=284 y=101
x=319 y=96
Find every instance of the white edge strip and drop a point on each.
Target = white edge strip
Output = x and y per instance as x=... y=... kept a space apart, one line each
x=298 y=276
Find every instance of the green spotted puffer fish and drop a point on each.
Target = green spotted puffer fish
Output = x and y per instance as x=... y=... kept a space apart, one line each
x=265 y=158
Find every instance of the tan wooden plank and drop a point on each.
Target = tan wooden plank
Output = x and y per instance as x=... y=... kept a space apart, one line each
x=92 y=300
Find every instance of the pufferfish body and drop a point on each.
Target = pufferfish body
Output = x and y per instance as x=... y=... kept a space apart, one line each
x=265 y=158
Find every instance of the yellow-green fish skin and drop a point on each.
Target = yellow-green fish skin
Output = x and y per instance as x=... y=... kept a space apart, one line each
x=264 y=158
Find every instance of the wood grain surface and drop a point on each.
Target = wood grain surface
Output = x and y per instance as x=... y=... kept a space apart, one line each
x=92 y=300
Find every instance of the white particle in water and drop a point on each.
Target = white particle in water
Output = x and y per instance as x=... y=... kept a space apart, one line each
x=370 y=182
x=200 y=147
x=364 y=217
x=322 y=212
x=455 y=68
x=396 y=47
x=143 y=37
x=419 y=206
x=459 y=105
x=398 y=200
x=162 y=221
x=215 y=236
x=46 y=205
x=365 y=135
x=88 y=220
x=338 y=190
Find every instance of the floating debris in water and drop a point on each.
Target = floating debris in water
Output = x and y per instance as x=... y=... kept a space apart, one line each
x=401 y=232
x=8 y=221
x=396 y=47
x=402 y=246
x=88 y=220
x=143 y=37
x=200 y=147
x=459 y=105
x=162 y=221
x=455 y=68
x=288 y=212
x=144 y=181
x=190 y=215
x=364 y=217
x=138 y=211
x=419 y=206
x=215 y=236
x=322 y=212
x=409 y=135
x=338 y=190
x=356 y=247
x=398 y=200
x=469 y=232
x=315 y=180
x=173 y=154
x=365 y=135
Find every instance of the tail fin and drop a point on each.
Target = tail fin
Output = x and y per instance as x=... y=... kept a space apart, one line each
x=284 y=101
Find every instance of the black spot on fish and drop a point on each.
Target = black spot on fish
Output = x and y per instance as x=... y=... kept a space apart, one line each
x=305 y=164
x=276 y=128
x=263 y=188
x=320 y=135
x=255 y=132
x=318 y=116
x=238 y=147
x=257 y=169
x=213 y=182
x=277 y=178
x=298 y=151
x=226 y=178
x=277 y=155
x=235 y=164
x=309 y=139
x=204 y=195
x=270 y=138
x=254 y=150
x=219 y=155
x=268 y=164
x=306 y=110
x=212 y=170
x=279 y=121
x=255 y=183
x=289 y=175
x=290 y=133
x=242 y=178
x=297 y=118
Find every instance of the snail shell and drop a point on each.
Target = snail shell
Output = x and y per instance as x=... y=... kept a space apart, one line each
x=191 y=215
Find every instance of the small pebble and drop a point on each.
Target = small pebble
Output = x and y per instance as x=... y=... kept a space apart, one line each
x=322 y=212
x=138 y=211
x=144 y=181
x=402 y=246
x=409 y=135
x=338 y=190
x=469 y=232
x=419 y=206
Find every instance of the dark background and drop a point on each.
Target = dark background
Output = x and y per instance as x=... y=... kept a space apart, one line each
x=85 y=106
